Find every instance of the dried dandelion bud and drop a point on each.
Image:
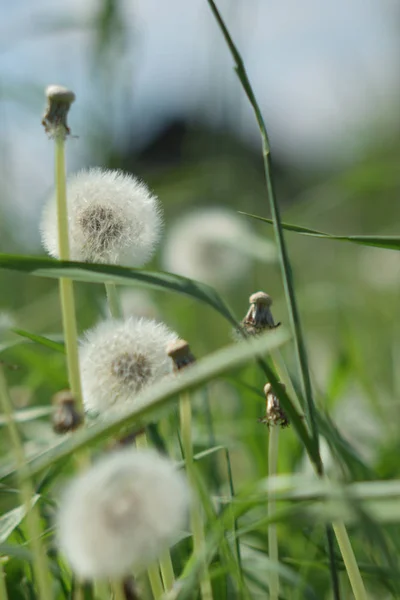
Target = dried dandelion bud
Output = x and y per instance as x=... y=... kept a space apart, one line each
x=121 y=357
x=259 y=317
x=59 y=100
x=180 y=353
x=121 y=514
x=274 y=414
x=65 y=417
x=112 y=218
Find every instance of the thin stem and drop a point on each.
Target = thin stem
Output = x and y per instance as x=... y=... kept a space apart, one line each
x=118 y=590
x=3 y=588
x=167 y=570
x=272 y=531
x=196 y=521
x=66 y=285
x=294 y=315
x=350 y=561
x=40 y=566
x=113 y=299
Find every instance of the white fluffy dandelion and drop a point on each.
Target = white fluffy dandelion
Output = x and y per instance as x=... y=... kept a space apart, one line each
x=214 y=245
x=112 y=218
x=121 y=514
x=120 y=358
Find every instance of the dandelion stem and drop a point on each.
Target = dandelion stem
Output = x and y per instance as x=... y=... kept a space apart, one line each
x=350 y=561
x=113 y=299
x=287 y=278
x=167 y=570
x=3 y=588
x=185 y=411
x=66 y=285
x=272 y=531
x=118 y=590
x=40 y=567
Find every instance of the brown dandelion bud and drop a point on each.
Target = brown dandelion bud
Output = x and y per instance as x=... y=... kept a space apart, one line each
x=65 y=417
x=274 y=414
x=180 y=353
x=259 y=317
x=59 y=100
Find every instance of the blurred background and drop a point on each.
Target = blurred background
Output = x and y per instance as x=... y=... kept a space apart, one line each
x=156 y=95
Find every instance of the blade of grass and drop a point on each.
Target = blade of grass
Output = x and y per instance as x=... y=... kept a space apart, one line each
x=40 y=339
x=390 y=242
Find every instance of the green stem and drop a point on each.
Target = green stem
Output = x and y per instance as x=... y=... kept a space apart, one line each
x=113 y=299
x=287 y=277
x=66 y=285
x=3 y=588
x=118 y=590
x=196 y=521
x=40 y=566
x=272 y=531
x=167 y=582
x=349 y=560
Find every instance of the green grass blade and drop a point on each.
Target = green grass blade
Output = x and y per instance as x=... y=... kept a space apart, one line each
x=40 y=339
x=282 y=251
x=390 y=242
x=99 y=273
x=158 y=395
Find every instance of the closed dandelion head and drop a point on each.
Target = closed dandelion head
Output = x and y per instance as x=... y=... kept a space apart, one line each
x=259 y=317
x=121 y=514
x=59 y=100
x=205 y=244
x=65 y=415
x=180 y=353
x=274 y=414
x=112 y=218
x=121 y=357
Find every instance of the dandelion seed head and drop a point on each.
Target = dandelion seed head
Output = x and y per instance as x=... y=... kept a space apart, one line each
x=204 y=245
x=121 y=514
x=259 y=317
x=112 y=218
x=121 y=357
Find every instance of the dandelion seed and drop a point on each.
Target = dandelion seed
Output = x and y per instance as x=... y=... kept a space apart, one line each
x=120 y=358
x=212 y=245
x=112 y=218
x=259 y=317
x=121 y=514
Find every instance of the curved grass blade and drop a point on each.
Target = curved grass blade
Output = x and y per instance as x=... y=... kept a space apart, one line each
x=390 y=242
x=40 y=339
x=99 y=273
x=158 y=395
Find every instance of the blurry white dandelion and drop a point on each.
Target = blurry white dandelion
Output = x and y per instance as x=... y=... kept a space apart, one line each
x=119 y=358
x=214 y=245
x=112 y=218
x=121 y=514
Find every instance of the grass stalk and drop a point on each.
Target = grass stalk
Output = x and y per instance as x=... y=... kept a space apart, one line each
x=273 y=446
x=196 y=520
x=40 y=566
x=118 y=590
x=294 y=315
x=3 y=587
x=113 y=299
x=167 y=580
x=350 y=562
x=66 y=285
